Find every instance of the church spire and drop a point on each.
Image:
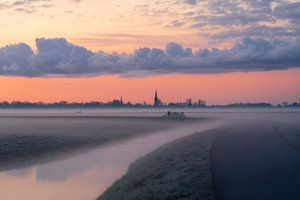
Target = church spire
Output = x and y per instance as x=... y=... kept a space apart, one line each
x=156 y=99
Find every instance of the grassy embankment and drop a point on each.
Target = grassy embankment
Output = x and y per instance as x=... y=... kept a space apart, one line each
x=177 y=170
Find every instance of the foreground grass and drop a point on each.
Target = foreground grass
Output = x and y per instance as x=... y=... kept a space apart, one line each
x=177 y=170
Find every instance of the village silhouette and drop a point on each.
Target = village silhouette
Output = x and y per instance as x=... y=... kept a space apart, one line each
x=157 y=103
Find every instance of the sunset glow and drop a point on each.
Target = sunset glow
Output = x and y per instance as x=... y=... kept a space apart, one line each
x=197 y=44
x=275 y=87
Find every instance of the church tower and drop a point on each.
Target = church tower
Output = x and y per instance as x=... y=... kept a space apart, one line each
x=156 y=99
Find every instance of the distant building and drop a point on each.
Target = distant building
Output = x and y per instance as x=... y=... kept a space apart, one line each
x=157 y=101
x=189 y=102
x=201 y=103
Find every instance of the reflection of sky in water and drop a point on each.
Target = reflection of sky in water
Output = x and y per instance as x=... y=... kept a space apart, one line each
x=86 y=175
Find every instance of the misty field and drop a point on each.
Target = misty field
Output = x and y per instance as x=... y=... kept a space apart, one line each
x=209 y=155
x=28 y=140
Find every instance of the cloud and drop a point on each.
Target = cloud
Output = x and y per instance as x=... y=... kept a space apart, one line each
x=288 y=11
x=26 y=6
x=58 y=57
x=256 y=31
x=270 y=19
x=15 y=60
x=190 y=2
x=176 y=23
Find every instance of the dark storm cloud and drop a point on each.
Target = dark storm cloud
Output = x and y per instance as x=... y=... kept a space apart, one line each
x=57 y=57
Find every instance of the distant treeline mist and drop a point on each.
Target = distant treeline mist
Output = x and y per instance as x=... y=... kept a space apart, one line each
x=120 y=104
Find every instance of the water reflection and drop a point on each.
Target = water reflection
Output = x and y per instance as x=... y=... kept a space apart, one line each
x=87 y=175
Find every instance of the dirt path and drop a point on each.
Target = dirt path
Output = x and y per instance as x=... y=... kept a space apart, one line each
x=252 y=162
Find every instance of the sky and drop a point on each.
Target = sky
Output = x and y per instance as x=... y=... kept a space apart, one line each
x=94 y=50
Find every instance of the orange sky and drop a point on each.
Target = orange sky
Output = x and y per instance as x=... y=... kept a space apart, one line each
x=270 y=86
x=122 y=26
